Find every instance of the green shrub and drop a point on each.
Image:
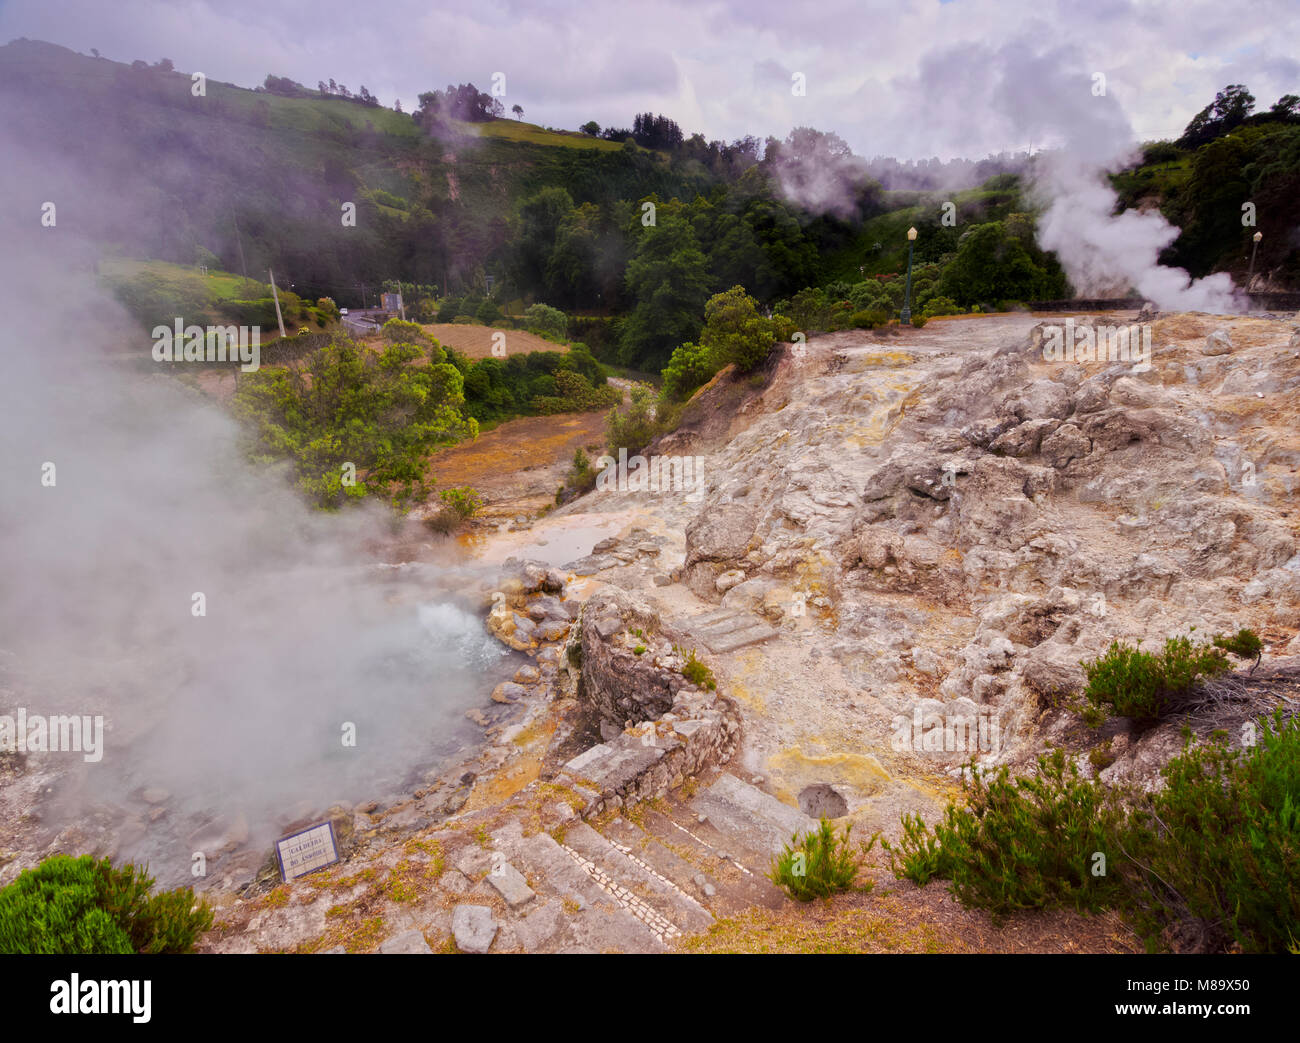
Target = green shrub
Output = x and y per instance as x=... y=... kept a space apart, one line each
x=77 y=905
x=575 y=394
x=818 y=864
x=735 y=333
x=635 y=425
x=581 y=478
x=919 y=321
x=463 y=501
x=546 y=321
x=689 y=368
x=784 y=327
x=1023 y=843
x=1102 y=756
x=1145 y=686
x=1216 y=847
x=1221 y=842
x=696 y=672
x=1244 y=644
x=348 y=407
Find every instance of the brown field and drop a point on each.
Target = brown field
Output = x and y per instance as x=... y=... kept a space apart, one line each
x=517 y=466
x=476 y=341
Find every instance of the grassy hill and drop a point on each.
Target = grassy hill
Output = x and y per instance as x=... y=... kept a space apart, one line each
x=154 y=171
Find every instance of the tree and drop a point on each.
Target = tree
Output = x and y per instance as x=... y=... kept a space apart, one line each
x=734 y=332
x=993 y=265
x=590 y=127
x=1286 y=107
x=1229 y=109
x=536 y=226
x=518 y=110
x=658 y=132
x=571 y=272
x=668 y=279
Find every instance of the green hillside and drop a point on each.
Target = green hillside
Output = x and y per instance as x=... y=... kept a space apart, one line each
x=342 y=196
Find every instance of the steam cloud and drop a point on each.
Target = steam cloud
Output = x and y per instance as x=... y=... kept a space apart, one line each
x=1041 y=96
x=238 y=714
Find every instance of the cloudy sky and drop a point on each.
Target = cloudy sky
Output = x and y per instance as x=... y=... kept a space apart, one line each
x=910 y=78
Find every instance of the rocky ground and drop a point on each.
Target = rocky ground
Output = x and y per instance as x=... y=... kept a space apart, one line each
x=890 y=527
x=939 y=520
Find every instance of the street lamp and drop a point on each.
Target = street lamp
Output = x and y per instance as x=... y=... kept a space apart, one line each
x=906 y=314
x=1251 y=277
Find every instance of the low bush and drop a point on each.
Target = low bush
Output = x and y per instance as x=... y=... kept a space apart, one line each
x=636 y=424
x=696 y=672
x=1024 y=843
x=71 y=906
x=544 y=320
x=1219 y=844
x=689 y=368
x=462 y=501
x=581 y=478
x=818 y=864
x=1147 y=686
x=1210 y=855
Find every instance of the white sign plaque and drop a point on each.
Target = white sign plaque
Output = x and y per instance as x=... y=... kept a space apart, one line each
x=306 y=851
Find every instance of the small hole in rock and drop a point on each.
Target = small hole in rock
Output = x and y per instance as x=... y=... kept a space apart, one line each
x=821 y=801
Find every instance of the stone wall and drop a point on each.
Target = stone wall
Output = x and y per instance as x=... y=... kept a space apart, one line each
x=669 y=729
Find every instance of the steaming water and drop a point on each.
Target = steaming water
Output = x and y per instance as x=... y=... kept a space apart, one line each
x=244 y=750
x=239 y=711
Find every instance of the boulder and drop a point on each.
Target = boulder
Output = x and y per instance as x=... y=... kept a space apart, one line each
x=1217 y=343
x=1043 y=399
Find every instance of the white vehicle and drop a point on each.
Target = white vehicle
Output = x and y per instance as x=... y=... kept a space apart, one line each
x=343 y=311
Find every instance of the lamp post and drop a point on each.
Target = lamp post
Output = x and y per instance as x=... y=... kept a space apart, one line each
x=906 y=315
x=1251 y=277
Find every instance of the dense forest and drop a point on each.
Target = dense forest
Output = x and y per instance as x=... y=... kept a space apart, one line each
x=631 y=230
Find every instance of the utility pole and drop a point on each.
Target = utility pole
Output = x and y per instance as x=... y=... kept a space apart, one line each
x=279 y=318
x=239 y=241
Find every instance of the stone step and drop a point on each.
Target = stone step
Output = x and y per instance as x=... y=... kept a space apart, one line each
x=611 y=765
x=751 y=635
x=696 y=865
x=725 y=630
x=589 y=918
x=747 y=813
x=651 y=895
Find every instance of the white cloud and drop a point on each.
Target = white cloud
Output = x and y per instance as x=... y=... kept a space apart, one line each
x=880 y=74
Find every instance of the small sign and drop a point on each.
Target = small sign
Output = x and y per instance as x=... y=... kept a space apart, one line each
x=306 y=851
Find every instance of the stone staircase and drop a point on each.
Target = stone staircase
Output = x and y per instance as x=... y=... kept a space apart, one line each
x=640 y=886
